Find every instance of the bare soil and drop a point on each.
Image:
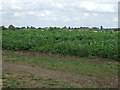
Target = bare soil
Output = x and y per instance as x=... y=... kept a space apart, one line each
x=79 y=80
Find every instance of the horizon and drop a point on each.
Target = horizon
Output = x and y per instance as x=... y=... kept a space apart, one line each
x=57 y=26
x=62 y=27
x=53 y=13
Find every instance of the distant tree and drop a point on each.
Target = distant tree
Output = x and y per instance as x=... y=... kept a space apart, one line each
x=69 y=28
x=54 y=28
x=116 y=29
x=64 y=28
x=3 y=28
x=11 y=27
x=17 y=28
x=27 y=27
x=39 y=28
x=22 y=27
x=75 y=28
x=101 y=27
x=95 y=28
x=32 y=27
x=58 y=28
x=51 y=28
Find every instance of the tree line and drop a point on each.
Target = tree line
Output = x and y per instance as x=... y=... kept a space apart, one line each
x=11 y=27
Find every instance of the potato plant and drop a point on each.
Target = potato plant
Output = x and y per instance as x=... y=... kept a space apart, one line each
x=74 y=43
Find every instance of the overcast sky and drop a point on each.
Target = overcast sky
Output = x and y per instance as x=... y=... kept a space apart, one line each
x=74 y=13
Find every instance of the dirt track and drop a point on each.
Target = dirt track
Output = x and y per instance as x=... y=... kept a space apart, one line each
x=79 y=80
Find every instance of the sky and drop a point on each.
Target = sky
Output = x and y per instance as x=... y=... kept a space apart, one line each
x=59 y=13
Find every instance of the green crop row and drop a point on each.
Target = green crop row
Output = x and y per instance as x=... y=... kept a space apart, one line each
x=74 y=43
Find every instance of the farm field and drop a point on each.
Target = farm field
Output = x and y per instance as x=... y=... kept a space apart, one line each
x=59 y=59
x=56 y=44
x=74 y=43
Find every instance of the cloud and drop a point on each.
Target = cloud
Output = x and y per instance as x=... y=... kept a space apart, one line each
x=86 y=14
x=60 y=12
x=18 y=14
x=96 y=6
x=77 y=19
x=115 y=19
x=65 y=18
x=57 y=5
x=46 y=13
x=87 y=5
x=95 y=14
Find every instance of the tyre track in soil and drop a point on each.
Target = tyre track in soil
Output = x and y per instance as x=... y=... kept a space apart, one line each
x=79 y=80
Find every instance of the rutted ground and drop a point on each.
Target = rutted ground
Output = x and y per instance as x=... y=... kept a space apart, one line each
x=65 y=79
x=78 y=80
x=13 y=79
